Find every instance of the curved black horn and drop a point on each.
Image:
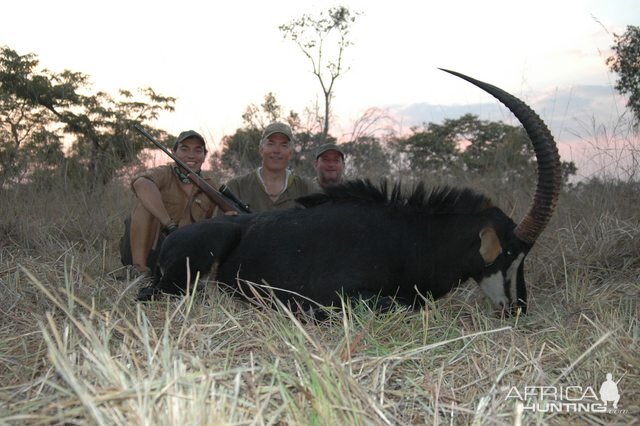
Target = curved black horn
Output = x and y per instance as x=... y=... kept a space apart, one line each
x=548 y=159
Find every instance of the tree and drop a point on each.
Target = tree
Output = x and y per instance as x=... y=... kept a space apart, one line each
x=314 y=35
x=373 y=122
x=100 y=125
x=25 y=142
x=494 y=147
x=259 y=117
x=626 y=62
x=433 y=149
x=475 y=146
x=239 y=153
x=365 y=157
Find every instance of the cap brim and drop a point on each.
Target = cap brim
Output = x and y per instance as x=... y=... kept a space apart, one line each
x=330 y=149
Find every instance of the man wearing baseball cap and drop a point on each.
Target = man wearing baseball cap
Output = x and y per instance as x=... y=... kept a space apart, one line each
x=166 y=200
x=329 y=165
x=272 y=186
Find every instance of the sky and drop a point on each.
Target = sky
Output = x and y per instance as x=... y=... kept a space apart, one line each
x=218 y=57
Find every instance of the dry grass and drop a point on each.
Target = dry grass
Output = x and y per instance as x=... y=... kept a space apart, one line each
x=76 y=349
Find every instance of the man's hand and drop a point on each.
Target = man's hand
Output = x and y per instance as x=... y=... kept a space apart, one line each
x=169 y=228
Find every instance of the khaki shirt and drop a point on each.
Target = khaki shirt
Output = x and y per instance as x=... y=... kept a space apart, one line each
x=249 y=189
x=182 y=208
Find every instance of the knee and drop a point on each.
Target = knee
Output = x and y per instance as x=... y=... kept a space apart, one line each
x=141 y=215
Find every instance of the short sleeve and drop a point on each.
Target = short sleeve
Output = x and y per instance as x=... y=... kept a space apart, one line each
x=158 y=175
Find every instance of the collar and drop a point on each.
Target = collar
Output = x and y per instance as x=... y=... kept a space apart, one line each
x=287 y=182
x=182 y=176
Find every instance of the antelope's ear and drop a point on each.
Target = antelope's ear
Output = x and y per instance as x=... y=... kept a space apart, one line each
x=490 y=246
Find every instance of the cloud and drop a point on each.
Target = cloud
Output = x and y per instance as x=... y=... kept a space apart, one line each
x=570 y=113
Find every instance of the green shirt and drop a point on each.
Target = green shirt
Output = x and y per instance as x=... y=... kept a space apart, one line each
x=250 y=189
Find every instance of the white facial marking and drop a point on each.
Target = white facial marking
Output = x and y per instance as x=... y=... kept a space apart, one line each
x=512 y=274
x=493 y=287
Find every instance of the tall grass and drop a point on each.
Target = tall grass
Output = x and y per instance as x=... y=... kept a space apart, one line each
x=76 y=349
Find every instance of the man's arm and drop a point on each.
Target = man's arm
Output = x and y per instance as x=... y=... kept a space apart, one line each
x=149 y=195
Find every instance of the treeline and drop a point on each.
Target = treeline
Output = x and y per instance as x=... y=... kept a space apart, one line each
x=465 y=145
x=39 y=109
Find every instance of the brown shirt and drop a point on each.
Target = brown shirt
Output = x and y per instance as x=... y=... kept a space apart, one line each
x=182 y=208
x=249 y=189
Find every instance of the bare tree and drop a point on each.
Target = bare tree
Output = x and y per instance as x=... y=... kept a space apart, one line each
x=374 y=121
x=314 y=35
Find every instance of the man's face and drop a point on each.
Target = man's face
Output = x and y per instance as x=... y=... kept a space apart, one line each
x=329 y=168
x=192 y=152
x=275 y=152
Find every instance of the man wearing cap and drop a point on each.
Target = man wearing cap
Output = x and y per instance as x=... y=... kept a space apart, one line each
x=272 y=186
x=166 y=200
x=329 y=165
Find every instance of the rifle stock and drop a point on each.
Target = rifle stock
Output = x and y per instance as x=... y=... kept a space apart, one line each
x=226 y=203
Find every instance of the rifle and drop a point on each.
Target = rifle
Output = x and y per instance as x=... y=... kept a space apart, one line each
x=227 y=201
x=226 y=191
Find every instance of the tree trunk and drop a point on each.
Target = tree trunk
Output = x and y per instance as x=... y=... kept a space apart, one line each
x=325 y=130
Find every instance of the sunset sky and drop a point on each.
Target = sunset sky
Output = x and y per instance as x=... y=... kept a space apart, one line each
x=217 y=57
